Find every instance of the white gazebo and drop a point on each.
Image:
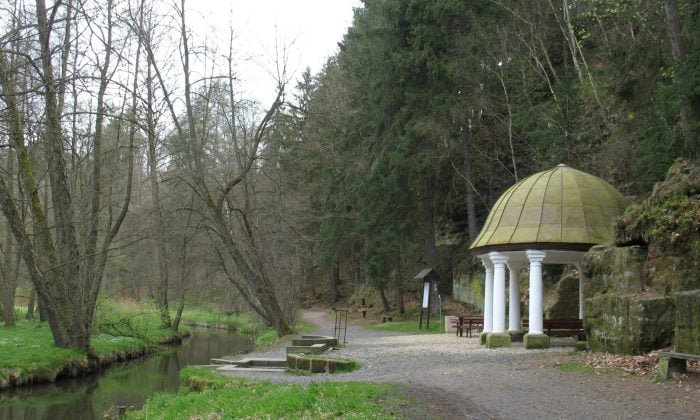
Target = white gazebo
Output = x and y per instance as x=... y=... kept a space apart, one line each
x=551 y=217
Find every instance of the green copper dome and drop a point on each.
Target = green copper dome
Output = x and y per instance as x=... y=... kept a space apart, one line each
x=561 y=208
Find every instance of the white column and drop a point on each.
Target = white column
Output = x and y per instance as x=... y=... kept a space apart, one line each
x=488 y=294
x=499 y=292
x=535 y=307
x=514 y=297
x=580 y=291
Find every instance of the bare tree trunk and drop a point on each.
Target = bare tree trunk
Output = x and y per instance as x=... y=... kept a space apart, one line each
x=161 y=292
x=184 y=272
x=31 y=303
x=399 y=283
x=473 y=228
x=357 y=264
x=9 y=280
x=335 y=279
x=385 y=302
x=429 y=224
x=673 y=26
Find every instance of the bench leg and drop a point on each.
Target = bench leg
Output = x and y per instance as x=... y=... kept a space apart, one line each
x=669 y=365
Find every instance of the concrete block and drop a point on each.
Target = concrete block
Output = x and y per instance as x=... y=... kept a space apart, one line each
x=669 y=365
x=494 y=340
x=449 y=326
x=536 y=341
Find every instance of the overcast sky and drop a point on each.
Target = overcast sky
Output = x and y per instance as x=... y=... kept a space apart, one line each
x=309 y=29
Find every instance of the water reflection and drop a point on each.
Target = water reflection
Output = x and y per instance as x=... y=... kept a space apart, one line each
x=126 y=385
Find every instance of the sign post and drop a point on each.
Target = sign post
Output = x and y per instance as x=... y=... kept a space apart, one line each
x=428 y=276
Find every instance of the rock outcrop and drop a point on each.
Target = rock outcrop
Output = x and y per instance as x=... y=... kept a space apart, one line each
x=644 y=290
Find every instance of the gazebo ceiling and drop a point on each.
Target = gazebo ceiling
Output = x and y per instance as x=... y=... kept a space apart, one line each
x=561 y=208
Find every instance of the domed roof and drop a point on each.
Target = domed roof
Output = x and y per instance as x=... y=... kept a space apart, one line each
x=561 y=208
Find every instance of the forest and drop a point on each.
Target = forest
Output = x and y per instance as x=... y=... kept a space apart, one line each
x=128 y=172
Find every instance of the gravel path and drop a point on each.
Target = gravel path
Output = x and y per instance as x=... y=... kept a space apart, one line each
x=457 y=378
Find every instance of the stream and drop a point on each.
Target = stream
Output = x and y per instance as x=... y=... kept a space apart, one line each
x=127 y=384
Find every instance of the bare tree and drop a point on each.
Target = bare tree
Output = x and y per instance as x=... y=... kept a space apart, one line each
x=66 y=252
x=237 y=252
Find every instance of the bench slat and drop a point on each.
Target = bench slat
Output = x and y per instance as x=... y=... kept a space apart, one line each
x=675 y=355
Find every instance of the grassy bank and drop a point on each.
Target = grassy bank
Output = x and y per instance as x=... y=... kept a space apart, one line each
x=206 y=395
x=28 y=354
x=410 y=327
x=217 y=319
x=121 y=331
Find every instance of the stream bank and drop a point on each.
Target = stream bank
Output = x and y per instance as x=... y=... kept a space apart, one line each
x=126 y=384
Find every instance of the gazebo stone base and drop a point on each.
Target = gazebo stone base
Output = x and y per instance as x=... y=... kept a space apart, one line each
x=516 y=336
x=482 y=338
x=494 y=340
x=536 y=341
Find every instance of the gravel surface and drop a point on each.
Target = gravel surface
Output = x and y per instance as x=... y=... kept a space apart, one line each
x=455 y=377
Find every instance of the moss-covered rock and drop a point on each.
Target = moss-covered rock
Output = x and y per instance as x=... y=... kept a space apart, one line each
x=687 y=331
x=561 y=299
x=468 y=283
x=643 y=292
x=611 y=269
x=629 y=324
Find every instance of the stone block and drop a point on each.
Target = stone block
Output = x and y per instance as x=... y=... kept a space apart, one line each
x=482 y=338
x=312 y=349
x=629 y=324
x=687 y=328
x=668 y=365
x=450 y=327
x=609 y=269
x=536 y=341
x=297 y=362
x=319 y=366
x=329 y=341
x=516 y=336
x=494 y=340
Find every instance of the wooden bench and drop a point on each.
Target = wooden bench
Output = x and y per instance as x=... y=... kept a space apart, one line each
x=564 y=328
x=468 y=324
x=561 y=327
x=670 y=362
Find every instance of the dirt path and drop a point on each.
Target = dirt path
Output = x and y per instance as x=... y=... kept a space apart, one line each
x=455 y=377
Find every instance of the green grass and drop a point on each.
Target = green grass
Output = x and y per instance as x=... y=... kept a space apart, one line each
x=241 y=322
x=119 y=326
x=206 y=395
x=408 y=327
x=267 y=338
x=27 y=349
x=304 y=328
x=576 y=367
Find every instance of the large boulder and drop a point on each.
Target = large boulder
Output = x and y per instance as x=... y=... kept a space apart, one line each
x=687 y=331
x=561 y=299
x=629 y=324
x=611 y=269
x=468 y=283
